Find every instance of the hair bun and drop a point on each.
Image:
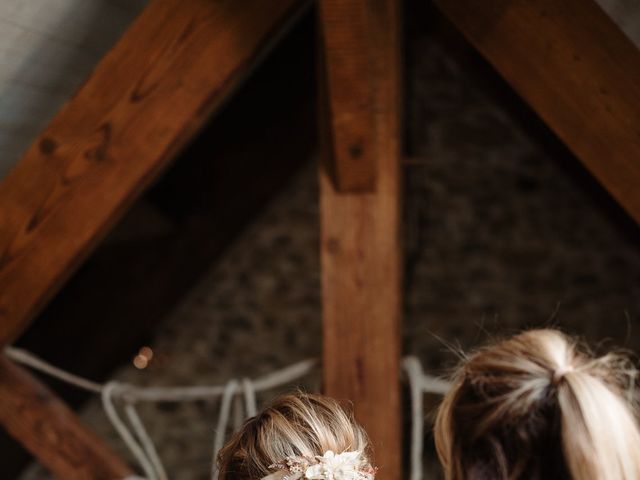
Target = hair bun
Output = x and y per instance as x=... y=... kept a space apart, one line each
x=298 y=432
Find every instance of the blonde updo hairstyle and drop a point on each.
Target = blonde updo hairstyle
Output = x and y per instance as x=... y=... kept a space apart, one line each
x=294 y=425
x=537 y=406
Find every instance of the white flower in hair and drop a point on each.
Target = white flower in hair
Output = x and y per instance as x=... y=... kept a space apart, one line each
x=330 y=466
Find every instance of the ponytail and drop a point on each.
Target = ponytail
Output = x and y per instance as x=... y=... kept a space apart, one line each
x=538 y=407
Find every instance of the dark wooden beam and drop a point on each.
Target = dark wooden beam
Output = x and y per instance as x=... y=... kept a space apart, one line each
x=357 y=38
x=35 y=417
x=361 y=270
x=576 y=69
x=176 y=64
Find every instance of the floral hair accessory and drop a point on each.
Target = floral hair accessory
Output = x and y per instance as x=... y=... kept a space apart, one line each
x=330 y=466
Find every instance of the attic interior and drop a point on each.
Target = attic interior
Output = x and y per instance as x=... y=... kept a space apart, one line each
x=216 y=268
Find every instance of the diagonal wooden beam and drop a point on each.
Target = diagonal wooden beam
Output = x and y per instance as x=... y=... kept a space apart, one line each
x=576 y=69
x=361 y=264
x=35 y=417
x=146 y=99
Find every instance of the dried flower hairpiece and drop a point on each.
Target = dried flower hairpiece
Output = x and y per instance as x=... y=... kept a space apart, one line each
x=330 y=466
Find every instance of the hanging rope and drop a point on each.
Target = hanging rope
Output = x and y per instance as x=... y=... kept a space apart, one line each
x=414 y=372
x=139 y=443
x=24 y=357
x=136 y=450
x=223 y=421
x=419 y=384
x=144 y=438
x=134 y=434
x=249 y=397
x=160 y=394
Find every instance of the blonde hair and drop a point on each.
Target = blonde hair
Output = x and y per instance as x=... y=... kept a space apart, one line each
x=294 y=425
x=538 y=406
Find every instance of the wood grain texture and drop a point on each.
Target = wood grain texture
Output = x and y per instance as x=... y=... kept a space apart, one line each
x=147 y=97
x=45 y=54
x=577 y=70
x=35 y=417
x=357 y=39
x=361 y=283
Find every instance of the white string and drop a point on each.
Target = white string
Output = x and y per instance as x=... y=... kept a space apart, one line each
x=249 y=397
x=24 y=357
x=160 y=394
x=182 y=394
x=414 y=372
x=223 y=420
x=435 y=385
x=122 y=429
x=419 y=384
x=145 y=440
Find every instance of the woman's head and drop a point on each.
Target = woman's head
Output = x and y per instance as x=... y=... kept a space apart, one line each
x=537 y=406
x=299 y=425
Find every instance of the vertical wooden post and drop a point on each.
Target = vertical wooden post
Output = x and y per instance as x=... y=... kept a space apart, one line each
x=360 y=43
x=35 y=417
x=360 y=246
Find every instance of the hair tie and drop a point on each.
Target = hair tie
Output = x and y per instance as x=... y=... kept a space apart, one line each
x=559 y=373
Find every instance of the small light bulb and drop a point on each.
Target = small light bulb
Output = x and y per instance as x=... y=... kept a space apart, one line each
x=140 y=362
x=146 y=352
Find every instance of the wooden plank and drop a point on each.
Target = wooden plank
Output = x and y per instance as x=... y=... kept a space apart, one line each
x=356 y=38
x=35 y=417
x=361 y=277
x=145 y=100
x=576 y=69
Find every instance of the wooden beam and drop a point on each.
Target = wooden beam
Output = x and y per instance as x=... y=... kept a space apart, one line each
x=127 y=287
x=576 y=69
x=361 y=272
x=35 y=417
x=176 y=64
x=356 y=38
